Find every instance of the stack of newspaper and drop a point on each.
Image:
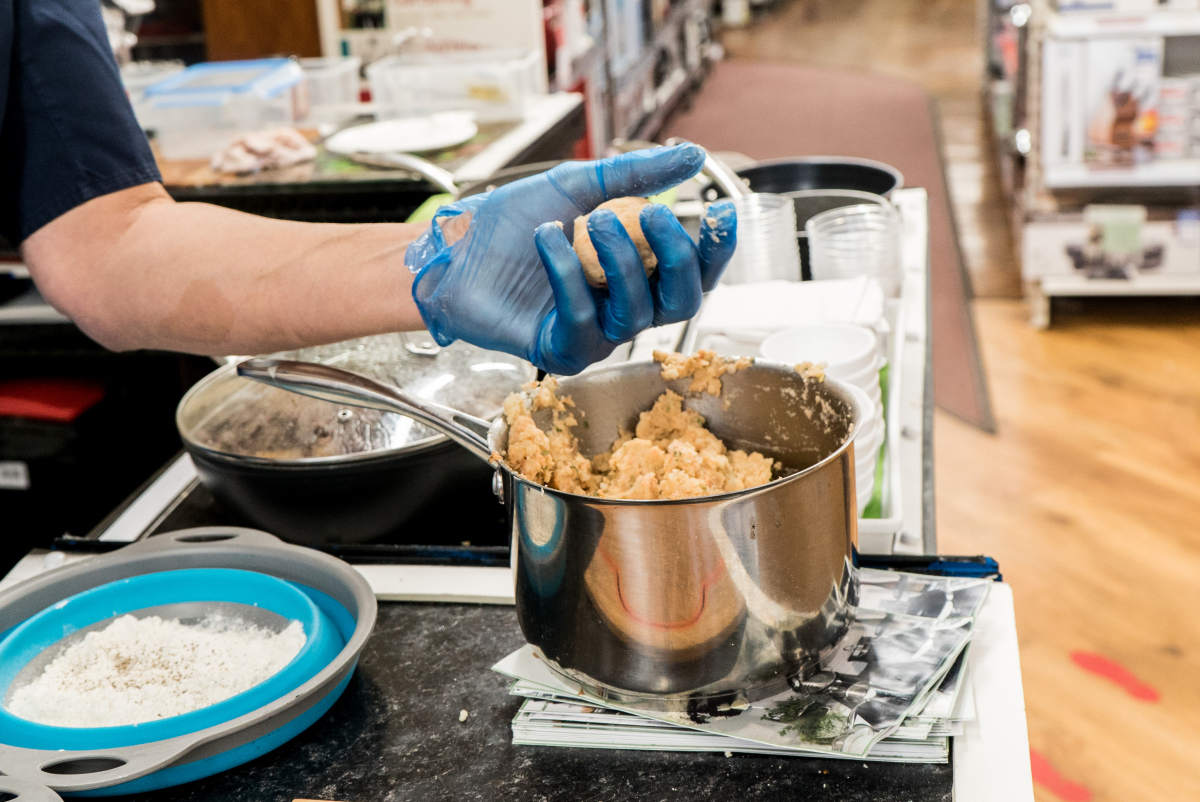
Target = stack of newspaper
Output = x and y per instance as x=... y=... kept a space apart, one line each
x=895 y=688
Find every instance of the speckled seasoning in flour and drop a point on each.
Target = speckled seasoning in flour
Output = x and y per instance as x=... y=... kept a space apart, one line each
x=138 y=670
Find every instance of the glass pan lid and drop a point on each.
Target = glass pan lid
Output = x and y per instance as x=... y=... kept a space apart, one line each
x=232 y=415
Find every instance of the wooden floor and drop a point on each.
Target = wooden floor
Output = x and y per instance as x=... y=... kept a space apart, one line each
x=1089 y=495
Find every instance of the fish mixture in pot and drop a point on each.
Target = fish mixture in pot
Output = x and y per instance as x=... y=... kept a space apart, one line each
x=670 y=454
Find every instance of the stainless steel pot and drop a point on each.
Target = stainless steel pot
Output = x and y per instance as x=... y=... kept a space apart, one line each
x=685 y=603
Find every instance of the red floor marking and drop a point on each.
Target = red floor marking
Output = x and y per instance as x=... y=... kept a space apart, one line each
x=1045 y=774
x=1112 y=670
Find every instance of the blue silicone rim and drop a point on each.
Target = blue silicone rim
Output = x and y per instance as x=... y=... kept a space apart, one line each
x=26 y=641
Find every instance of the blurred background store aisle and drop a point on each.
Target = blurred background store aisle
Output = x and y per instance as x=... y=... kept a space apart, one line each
x=1090 y=491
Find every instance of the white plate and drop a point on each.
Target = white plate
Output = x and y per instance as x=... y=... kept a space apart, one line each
x=407 y=135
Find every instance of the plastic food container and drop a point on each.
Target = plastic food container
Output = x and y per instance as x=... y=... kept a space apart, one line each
x=494 y=83
x=136 y=76
x=333 y=85
x=196 y=112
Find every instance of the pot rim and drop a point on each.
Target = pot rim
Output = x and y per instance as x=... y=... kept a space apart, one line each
x=850 y=396
x=854 y=160
x=411 y=448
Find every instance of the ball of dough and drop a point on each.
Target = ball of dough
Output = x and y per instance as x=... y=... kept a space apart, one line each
x=627 y=211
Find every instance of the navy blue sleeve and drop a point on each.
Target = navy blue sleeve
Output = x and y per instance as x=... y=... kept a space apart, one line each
x=67 y=132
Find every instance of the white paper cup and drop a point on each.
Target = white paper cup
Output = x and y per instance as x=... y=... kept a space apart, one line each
x=845 y=349
x=867 y=377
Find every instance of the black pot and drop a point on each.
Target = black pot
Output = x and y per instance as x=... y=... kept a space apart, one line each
x=781 y=176
x=315 y=472
x=359 y=501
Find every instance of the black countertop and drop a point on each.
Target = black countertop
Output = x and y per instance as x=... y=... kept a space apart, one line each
x=395 y=735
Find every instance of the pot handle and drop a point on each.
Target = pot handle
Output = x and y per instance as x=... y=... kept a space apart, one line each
x=345 y=387
x=443 y=179
x=733 y=184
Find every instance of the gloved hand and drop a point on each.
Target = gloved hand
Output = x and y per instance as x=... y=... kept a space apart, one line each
x=513 y=282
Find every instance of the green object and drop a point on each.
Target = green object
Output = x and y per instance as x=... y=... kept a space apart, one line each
x=874 y=508
x=1116 y=228
x=812 y=722
x=426 y=210
x=667 y=198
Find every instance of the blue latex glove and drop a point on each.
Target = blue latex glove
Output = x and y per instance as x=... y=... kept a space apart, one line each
x=513 y=282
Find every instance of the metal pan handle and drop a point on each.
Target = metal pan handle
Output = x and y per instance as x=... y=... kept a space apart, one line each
x=730 y=182
x=443 y=179
x=344 y=387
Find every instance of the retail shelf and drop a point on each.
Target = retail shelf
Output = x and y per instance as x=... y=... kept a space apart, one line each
x=1038 y=292
x=638 y=73
x=666 y=33
x=1070 y=285
x=677 y=86
x=1108 y=24
x=581 y=65
x=1163 y=173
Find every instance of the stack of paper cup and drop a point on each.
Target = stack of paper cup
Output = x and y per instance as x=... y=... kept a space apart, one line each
x=851 y=354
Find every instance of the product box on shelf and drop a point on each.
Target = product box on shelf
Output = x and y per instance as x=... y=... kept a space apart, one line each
x=1125 y=6
x=1124 y=243
x=626 y=33
x=1121 y=98
x=1063 y=67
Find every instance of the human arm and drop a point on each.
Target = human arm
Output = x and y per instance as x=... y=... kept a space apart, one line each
x=134 y=269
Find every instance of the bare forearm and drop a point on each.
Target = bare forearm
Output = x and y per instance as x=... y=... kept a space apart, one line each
x=203 y=279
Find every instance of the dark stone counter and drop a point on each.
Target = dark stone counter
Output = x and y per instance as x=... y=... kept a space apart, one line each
x=395 y=735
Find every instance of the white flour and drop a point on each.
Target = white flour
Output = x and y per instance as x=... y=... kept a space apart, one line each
x=136 y=670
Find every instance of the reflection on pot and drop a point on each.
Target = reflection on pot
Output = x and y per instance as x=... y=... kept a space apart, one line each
x=664 y=589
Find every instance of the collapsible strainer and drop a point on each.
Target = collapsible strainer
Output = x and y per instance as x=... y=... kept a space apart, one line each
x=185 y=575
x=186 y=595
